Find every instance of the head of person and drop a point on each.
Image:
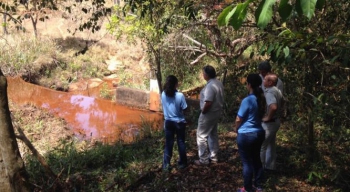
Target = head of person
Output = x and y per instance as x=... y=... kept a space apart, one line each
x=264 y=68
x=254 y=81
x=170 y=86
x=270 y=80
x=209 y=72
x=253 y=84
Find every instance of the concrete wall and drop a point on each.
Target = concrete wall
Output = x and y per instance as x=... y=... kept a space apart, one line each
x=141 y=99
x=132 y=97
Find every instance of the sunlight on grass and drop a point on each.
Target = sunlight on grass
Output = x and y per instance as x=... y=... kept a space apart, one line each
x=20 y=51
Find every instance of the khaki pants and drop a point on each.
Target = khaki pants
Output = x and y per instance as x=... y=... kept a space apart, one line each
x=268 y=148
x=207 y=136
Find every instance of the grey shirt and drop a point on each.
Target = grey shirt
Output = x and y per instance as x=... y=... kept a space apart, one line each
x=214 y=92
x=273 y=95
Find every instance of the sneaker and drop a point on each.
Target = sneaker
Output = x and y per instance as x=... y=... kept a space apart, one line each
x=184 y=166
x=167 y=168
x=257 y=189
x=213 y=161
x=241 y=190
x=199 y=163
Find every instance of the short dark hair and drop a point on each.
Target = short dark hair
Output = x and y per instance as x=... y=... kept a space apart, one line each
x=265 y=65
x=210 y=71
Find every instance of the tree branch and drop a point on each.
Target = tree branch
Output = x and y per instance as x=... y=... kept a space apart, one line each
x=198 y=58
x=14 y=19
x=194 y=41
x=35 y=152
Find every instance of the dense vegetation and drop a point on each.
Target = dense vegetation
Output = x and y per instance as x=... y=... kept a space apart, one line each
x=307 y=43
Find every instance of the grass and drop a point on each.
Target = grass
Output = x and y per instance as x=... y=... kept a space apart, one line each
x=19 y=53
x=99 y=167
x=136 y=166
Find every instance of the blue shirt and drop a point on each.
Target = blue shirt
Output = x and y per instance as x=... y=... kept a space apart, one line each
x=249 y=113
x=173 y=107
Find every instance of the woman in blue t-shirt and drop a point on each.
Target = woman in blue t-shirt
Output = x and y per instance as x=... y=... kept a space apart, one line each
x=251 y=134
x=173 y=103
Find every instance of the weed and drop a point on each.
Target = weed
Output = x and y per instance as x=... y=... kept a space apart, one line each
x=105 y=92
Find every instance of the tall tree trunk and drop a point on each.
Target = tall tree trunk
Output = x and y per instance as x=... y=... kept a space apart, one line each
x=12 y=164
x=4 y=180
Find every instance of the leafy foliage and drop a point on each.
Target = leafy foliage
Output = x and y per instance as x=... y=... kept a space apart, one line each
x=265 y=10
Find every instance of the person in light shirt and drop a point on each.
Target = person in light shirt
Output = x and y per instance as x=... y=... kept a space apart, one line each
x=271 y=121
x=211 y=105
x=174 y=103
x=250 y=134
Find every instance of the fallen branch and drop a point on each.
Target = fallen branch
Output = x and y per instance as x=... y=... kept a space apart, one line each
x=194 y=41
x=35 y=152
x=198 y=58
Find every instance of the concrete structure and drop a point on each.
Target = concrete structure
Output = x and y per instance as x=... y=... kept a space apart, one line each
x=141 y=99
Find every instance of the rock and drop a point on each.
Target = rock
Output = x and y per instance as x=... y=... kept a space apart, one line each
x=113 y=64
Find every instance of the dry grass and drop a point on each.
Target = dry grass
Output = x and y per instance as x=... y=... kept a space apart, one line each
x=52 y=59
x=43 y=129
x=21 y=53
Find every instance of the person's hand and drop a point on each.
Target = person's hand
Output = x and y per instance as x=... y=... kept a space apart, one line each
x=266 y=118
x=234 y=128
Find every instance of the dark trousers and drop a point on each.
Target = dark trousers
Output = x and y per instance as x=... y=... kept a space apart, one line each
x=249 y=145
x=171 y=129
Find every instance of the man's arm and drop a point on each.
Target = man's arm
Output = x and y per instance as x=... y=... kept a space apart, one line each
x=272 y=110
x=206 y=107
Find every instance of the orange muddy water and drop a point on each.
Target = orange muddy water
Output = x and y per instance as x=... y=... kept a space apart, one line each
x=88 y=117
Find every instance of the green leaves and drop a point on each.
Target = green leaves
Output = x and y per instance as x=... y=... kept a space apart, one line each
x=307 y=7
x=239 y=15
x=264 y=13
x=235 y=15
x=224 y=16
x=285 y=9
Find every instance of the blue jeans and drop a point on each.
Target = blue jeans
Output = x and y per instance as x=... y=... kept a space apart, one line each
x=249 y=145
x=171 y=129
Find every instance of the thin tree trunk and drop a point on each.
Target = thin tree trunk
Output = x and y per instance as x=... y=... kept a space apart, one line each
x=311 y=139
x=16 y=175
x=159 y=72
x=4 y=24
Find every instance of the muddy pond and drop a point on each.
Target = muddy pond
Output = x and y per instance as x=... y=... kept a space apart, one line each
x=89 y=117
